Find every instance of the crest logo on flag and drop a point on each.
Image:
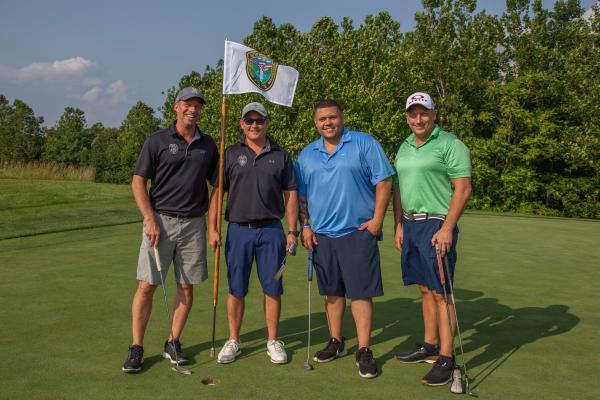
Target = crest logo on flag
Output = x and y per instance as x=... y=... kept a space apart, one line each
x=260 y=70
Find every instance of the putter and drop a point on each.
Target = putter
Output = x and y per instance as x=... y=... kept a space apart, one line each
x=176 y=368
x=457 y=386
x=307 y=365
x=440 y=263
x=290 y=251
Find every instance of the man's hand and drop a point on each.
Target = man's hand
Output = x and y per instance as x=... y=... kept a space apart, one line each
x=309 y=239
x=399 y=237
x=373 y=225
x=443 y=239
x=291 y=241
x=214 y=238
x=151 y=230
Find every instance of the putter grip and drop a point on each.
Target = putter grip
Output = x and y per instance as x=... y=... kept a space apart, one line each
x=157 y=258
x=310 y=265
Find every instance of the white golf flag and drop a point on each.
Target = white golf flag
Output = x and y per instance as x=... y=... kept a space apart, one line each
x=246 y=70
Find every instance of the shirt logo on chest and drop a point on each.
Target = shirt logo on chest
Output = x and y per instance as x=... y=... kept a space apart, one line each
x=173 y=148
x=242 y=160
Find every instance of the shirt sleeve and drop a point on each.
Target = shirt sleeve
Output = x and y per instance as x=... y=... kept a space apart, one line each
x=288 y=181
x=458 y=160
x=146 y=164
x=213 y=173
x=377 y=162
x=300 y=183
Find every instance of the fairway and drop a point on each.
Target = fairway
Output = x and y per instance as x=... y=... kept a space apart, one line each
x=526 y=291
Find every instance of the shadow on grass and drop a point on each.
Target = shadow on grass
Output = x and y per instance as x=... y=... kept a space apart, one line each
x=493 y=330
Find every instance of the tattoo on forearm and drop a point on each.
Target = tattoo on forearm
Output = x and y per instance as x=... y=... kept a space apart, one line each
x=303 y=210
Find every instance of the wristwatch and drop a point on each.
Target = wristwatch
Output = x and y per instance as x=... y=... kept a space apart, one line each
x=295 y=233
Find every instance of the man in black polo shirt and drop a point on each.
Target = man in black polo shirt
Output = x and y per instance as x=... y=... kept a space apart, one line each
x=259 y=178
x=178 y=161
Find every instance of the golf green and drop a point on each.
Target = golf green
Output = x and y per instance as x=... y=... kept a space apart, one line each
x=524 y=285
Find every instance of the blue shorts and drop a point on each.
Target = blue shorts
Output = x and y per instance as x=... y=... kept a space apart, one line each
x=348 y=265
x=266 y=244
x=419 y=261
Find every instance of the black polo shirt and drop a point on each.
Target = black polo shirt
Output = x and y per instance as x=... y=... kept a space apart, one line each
x=255 y=182
x=179 y=171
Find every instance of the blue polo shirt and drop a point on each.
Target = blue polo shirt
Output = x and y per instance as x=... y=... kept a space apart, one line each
x=340 y=187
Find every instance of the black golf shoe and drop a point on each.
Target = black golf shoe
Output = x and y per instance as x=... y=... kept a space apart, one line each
x=174 y=353
x=422 y=353
x=365 y=363
x=135 y=359
x=441 y=373
x=333 y=350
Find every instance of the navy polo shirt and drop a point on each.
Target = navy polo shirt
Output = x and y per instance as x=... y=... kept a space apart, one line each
x=255 y=182
x=178 y=171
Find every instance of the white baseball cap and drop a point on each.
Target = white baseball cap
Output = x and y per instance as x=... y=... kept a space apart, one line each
x=420 y=98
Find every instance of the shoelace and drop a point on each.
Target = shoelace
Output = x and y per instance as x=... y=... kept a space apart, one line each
x=231 y=345
x=135 y=353
x=278 y=345
x=366 y=356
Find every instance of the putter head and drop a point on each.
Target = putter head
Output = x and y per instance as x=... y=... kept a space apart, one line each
x=181 y=370
x=457 y=384
x=468 y=390
x=307 y=366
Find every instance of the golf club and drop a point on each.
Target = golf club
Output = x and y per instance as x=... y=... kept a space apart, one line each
x=177 y=368
x=440 y=263
x=307 y=365
x=279 y=273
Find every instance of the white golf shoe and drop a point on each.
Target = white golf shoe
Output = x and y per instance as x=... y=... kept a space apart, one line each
x=231 y=349
x=276 y=351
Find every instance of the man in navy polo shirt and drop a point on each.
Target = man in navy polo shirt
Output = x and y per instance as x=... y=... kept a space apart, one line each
x=344 y=184
x=431 y=190
x=259 y=178
x=178 y=161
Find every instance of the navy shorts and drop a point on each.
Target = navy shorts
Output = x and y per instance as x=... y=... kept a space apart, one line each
x=348 y=265
x=419 y=260
x=243 y=245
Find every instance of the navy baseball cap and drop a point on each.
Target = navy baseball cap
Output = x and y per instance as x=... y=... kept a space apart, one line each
x=189 y=93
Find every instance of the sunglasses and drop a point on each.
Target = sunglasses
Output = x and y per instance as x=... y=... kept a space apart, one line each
x=250 y=121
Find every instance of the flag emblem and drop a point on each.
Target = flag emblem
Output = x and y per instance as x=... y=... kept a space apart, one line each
x=260 y=70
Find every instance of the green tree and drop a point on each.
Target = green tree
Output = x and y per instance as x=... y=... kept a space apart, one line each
x=69 y=141
x=21 y=132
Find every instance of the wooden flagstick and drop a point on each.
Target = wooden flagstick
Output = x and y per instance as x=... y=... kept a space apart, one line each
x=217 y=252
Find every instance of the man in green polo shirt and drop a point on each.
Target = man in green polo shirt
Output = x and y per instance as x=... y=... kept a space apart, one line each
x=431 y=188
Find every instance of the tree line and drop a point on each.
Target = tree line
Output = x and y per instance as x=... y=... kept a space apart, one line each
x=520 y=89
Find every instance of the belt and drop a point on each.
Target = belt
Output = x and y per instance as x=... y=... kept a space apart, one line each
x=256 y=224
x=172 y=214
x=423 y=216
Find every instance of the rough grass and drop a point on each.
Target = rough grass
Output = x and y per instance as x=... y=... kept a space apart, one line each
x=525 y=286
x=46 y=170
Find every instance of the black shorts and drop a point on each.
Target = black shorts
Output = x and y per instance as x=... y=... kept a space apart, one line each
x=348 y=265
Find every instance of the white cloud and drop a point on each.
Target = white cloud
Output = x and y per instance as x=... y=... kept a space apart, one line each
x=114 y=94
x=56 y=71
x=92 y=95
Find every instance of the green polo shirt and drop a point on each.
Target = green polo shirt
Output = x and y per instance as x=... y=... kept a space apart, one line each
x=423 y=172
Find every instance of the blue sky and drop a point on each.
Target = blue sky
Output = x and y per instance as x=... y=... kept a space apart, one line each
x=103 y=56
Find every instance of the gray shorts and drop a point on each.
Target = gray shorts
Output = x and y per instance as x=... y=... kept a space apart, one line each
x=182 y=242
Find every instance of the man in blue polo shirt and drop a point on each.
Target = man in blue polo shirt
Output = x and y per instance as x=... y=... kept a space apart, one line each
x=431 y=190
x=344 y=185
x=261 y=186
x=178 y=161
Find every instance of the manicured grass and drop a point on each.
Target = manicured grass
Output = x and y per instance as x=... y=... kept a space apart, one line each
x=526 y=290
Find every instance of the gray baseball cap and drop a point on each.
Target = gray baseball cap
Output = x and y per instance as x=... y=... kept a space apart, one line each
x=189 y=93
x=256 y=107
